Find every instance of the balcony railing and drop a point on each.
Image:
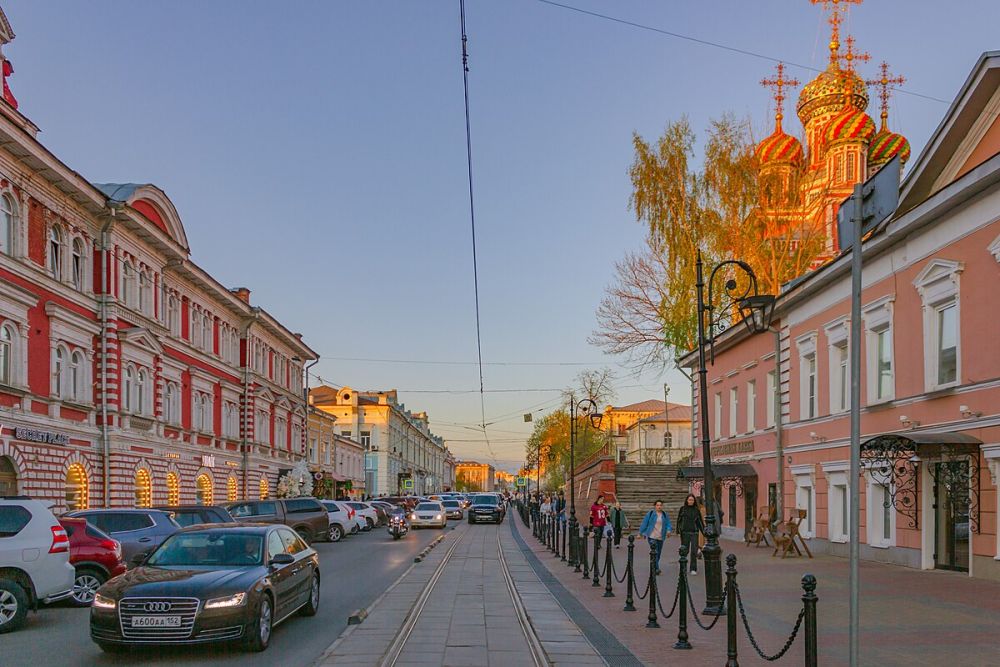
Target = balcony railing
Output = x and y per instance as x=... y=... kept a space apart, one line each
x=604 y=452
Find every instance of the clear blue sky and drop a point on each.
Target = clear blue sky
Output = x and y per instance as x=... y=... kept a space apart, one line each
x=316 y=153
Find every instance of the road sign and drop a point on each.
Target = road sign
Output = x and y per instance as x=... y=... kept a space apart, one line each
x=408 y=484
x=879 y=199
x=522 y=481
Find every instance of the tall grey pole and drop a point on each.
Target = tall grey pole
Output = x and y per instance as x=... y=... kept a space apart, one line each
x=855 y=534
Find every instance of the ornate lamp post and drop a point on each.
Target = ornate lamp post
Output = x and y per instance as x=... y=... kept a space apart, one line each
x=588 y=408
x=755 y=310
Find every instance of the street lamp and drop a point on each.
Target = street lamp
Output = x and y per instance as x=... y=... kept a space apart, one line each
x=755 y=310
x=586 y=407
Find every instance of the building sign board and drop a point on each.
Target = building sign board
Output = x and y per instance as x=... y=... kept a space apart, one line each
x=741 y=447
x=45 y=437
x=208 y=460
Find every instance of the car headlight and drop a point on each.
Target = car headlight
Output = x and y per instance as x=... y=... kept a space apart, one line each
x=230 y=601
x=412 y=517
x=104 y=602
x=438 y=517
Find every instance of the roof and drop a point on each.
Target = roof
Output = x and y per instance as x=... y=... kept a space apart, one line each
x=651 y=405
x=677 y=413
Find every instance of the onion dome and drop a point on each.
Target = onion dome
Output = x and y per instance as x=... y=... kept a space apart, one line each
x=885 y=146
x=851 y=124
x=826 y=94
x=780 y=148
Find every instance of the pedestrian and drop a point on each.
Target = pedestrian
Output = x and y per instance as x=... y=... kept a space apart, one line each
x=655 y=528
x=546 y=506
x=560 y=508
x=619 y=522
x=689 y=527
x=599 y=513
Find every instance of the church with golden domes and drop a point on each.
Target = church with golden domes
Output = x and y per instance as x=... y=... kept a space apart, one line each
x=842 y=144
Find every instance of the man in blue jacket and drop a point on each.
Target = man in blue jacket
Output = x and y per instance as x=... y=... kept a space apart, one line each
x=655 y=528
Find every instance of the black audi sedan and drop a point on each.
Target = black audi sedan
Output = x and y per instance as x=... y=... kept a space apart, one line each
x=209 y=583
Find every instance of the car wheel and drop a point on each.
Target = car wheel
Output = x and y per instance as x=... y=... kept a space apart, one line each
x=369 y=524
x=85 y=585
x=13 y=605
x=260 y=629
x=305 y=534
x=312 y=606
x=354 y=529
x=336 y=533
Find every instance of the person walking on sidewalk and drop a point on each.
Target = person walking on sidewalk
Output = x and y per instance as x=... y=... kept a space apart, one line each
x=689 y=527
x=599 y=513
x=560 y=507
x=655 y=528
x=546 y=506
x=619 y=522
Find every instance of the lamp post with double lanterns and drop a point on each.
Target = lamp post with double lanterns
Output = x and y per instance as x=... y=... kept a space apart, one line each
x=740 y=300
x=587 y=408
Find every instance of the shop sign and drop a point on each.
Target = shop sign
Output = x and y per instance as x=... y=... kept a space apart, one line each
x=171 y=455
x=232 y=464
x=741 y=447
x=208 y=460
x=46 y=437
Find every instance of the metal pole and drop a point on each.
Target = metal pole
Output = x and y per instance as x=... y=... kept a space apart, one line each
x=651 y=618
x=608 y=592
x=731 y=650
x=630 y=572
x=712 y=551
x=809 y=601
x=596 y=583
x=855 y=476
x=575 y=555
x=682 y=642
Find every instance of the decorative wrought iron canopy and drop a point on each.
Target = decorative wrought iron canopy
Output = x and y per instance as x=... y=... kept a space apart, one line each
x=892 y=460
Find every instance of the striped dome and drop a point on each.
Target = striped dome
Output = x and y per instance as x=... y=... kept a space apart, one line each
x=887 y=145
x=851 y=124
x=825 y=94
x=780 y=148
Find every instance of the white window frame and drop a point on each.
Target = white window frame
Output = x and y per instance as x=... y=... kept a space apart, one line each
x=838 y=522
x=771 y=384
x=734 y=408
x=751 y=406
x=59 y=385
x=938 y=287
x=8 y=224
x=875 y=512
x=808 y=405
x=805 y=496
x=839 y=354
x=56 y=244
x=78 y=263
x=877 y=317
x=8 y=353
x=717 y=421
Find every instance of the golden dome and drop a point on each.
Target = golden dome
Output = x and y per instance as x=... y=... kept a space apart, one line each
x=825 y=94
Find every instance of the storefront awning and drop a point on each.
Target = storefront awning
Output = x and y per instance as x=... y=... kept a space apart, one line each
x=924 y=443
x=720 y=469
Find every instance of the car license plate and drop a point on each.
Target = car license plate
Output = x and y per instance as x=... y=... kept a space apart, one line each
x=156 y=621
x=425 y=517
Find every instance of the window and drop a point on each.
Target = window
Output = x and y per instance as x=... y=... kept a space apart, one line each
x=280 y=431
x=128 y=284
x=668 y=438
x=173 y=315
x=840 y=378
x=805 y=496
x=302 y=506
x=143 y=488
x=77 y=488
x=838 y=500
x=207 y=342
x=13 y=519
x=231 y=489
x=718 y=416
x=262 y=427
x=939 y=292
x=196 y=331
x=77 y=264
x=771 y=389
x=145 y=293
x=7 y=225
x=170 y=403
x=731 y=519
x=128 y=386
x=59 y=373
x=77 y=374
x=751 y=406
x=366 y=439
x=230 y=420
x=314 y=450
x=203 y=492
x=173 y=488
x=947 y=344
x=55 y=251
x=881 y=519
x=264 y=488
x=6 y=355
x=734 y=401
x=140 y=392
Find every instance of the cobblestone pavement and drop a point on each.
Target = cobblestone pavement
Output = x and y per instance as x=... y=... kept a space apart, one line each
x=909 y=617
x=469 y=619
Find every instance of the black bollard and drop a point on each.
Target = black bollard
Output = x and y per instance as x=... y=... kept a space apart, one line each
x=564 y=532
x=629 y=576
x=596 y=567
x=809 y=600
x=730 y=592
x=608 y=591
x=555 y=535
x=651 y=619
x=584 y=539
x=574 y=555
x=682 y=621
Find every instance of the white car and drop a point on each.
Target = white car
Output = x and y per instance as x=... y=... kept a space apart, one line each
x=352 y=521
x=366 y=511
x=430 y=514
x=34 y=560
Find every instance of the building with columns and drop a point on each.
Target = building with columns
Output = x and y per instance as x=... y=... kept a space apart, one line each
x=128 y=374
x=474 y=476
x=399 y=444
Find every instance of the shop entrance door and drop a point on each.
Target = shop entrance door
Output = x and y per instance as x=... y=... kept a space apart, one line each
x=749 y=505
x=8 y=477
x=951 y=515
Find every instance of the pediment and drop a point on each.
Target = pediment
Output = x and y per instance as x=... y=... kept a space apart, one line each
x=142 y=338
x=264 y=394
x=936 y=270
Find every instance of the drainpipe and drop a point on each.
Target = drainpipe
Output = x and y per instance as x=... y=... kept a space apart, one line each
x=779 y=447
x=308 y=411
x=106 y=294
x=244 y=443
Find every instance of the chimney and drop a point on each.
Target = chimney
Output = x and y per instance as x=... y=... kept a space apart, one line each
x=242 y=293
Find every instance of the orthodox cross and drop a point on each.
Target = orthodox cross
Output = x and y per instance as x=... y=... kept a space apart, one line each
x=778 y=84
x=847 y=71
x=837 y=9
x=885 y=82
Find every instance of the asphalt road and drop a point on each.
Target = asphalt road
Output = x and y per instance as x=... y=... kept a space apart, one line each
x=355 y=570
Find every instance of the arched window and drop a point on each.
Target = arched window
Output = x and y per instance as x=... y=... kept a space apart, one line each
x=145 y=292
x=171 y=404
x=77 y=264
x=128 y=387
x=8 y=477
x=6 y=354
x=172 y=315
x=55 y=251
x=264 y=489
x=59 y=373
x=203 y=490
x=77 y=376
x=7 y=225
x=206 y=333
x=196 y=318
x=128 y=284
x=173 y=488
x=77 y=488
x=207 y=418
x=231 y=489
x=668 y=439
x=140 y=392
x=143 y=488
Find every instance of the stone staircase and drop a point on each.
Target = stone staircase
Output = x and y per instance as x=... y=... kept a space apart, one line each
x=638 y=486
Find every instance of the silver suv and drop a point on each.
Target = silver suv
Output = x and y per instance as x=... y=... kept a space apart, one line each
x=138 y=530
x=34 y=560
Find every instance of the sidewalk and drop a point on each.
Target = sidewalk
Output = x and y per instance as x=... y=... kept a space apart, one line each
x=469 y=619
x=908 y=617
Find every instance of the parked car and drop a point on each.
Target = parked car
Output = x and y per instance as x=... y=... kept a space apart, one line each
x=306 y=516
x=187 y=515
x=95 y=558
x=429 y=514
x=453 y=509
x=34 y=560
x=366 y=511
x=217 y=583
x=138 y=530
x=382 y=510
x=342 y=519
x=485 y=507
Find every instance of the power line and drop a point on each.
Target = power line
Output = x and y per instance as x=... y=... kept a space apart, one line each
x=462 y=363
x=716 y=45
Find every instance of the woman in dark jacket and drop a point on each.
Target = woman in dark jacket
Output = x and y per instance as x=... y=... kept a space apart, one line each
x=689 y=525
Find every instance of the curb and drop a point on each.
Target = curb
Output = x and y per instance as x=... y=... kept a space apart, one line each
x=423 y=554
x=357 y=617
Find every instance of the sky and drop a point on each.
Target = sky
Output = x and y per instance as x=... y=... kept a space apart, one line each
x=316 y=153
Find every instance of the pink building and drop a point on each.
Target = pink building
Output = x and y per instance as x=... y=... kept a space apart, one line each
x=930 y=385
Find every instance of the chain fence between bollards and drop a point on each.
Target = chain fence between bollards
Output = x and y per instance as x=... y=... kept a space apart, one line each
x=694 y=612
x=753 y=640
x=677 y=596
